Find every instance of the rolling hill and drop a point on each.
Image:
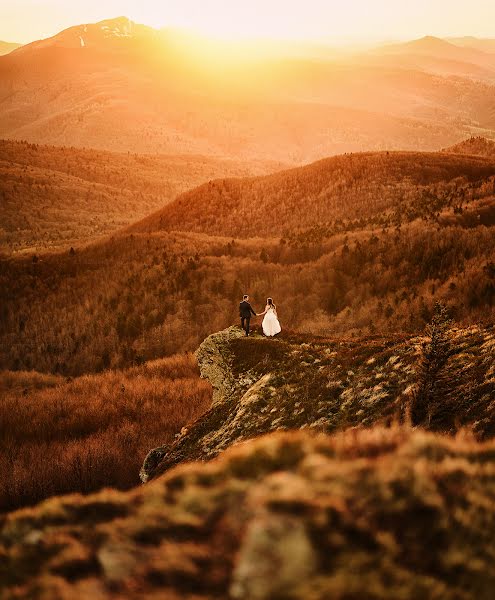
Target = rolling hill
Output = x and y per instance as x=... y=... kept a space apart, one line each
x=116 y=85
x=440 y=48
x=483 y=44
x=349 y=457
x=478 y=146
x=348 y=246
x=373 y=188
x=56 y=197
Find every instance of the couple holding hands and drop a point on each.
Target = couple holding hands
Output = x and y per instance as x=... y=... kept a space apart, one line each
x=270 y=324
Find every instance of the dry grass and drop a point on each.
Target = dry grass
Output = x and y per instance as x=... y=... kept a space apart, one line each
x=91 y=432
x=380 y=514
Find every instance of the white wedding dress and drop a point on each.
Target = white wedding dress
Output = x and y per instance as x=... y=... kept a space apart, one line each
x=271 y=325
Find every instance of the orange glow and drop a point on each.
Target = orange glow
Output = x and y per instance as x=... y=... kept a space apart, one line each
x=331 y=20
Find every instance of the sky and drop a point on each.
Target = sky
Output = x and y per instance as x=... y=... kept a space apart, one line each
x=332 y=21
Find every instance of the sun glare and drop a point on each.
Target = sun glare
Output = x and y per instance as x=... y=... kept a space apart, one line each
x=228 y=21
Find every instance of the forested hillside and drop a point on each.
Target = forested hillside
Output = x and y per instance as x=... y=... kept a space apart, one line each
x=479 y=146
x=377 y=266
x=338 y=194
x=54 y=197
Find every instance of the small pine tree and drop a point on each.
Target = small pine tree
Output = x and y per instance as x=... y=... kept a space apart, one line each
x=435 y=353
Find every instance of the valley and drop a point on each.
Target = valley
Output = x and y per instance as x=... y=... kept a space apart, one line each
x=353 y=245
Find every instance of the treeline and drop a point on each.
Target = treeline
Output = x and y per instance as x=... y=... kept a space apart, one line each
x=139 y=297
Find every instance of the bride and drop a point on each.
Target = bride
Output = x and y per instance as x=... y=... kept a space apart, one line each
x=271 y=325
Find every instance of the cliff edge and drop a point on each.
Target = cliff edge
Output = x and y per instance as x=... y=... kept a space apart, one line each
x=262 y=385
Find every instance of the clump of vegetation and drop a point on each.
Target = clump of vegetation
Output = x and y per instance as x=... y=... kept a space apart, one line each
x=432 y=381
x=288 y=515
x=91 y=432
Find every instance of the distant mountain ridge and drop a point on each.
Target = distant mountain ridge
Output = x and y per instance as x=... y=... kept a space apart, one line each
x=117 y=85
x=484 y=44
x=478 y=146
x=107 y=33
x=7 y=47
x=443 y=49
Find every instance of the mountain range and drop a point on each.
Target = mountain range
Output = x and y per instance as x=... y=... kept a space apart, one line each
x=116 y=84
x=151 y=178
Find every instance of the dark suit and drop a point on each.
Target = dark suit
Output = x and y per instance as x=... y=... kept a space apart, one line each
x=245 y=312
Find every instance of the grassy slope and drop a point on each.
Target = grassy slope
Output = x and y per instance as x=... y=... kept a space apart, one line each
x=61 y=436
x=295 y=382
x=378 y=514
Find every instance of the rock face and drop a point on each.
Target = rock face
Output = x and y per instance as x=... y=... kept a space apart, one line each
x=263 y=385
x=381 y=513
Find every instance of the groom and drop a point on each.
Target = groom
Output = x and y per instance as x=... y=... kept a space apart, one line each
x=245 y=312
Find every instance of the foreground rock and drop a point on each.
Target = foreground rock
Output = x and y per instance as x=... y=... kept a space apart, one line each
x=262 y=385
x=384 y=513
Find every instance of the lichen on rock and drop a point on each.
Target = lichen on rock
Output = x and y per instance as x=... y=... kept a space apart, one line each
x=288 y=383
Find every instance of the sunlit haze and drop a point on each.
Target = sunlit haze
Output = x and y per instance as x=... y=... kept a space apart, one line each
x=329 y=20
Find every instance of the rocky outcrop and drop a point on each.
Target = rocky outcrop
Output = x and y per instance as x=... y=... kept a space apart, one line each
x=381 y=513
x=294 y=382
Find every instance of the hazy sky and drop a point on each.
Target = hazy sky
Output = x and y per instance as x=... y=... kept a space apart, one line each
x=330 y=20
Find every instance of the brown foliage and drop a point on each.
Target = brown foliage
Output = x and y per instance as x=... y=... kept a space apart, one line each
x=93 y=431
x=144 y=296
x=53 y=197
x=337 y=194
